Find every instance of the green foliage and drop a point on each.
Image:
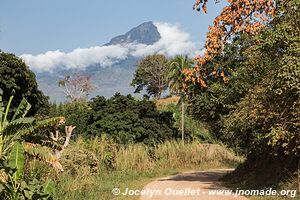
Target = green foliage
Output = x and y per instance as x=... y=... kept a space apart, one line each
x=151 y=73
x=122 y=118
x=19 y=81
x=76 y=113
x=49 y=187
x=219 y=98
x=21 y=128
x=21 y=190
x=270 y=112
x=14 y=186
x=16 y=160
x=176 y=75
x=260 y=104
x=194 y=129
x=13 y=132
x=257 y=112
x=128 y=120
x=177 y=83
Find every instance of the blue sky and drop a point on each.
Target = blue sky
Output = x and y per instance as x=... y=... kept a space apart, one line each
x=37 y=26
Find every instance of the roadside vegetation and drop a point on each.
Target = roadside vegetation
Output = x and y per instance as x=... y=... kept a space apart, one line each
x=92 y=172
x=242 y=97
x=255 y=108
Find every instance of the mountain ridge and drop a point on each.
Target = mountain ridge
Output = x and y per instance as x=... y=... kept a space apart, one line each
x=145 y=33
x=108 y=80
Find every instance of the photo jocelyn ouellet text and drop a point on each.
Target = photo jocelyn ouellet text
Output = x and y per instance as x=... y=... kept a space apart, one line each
x=197 y=192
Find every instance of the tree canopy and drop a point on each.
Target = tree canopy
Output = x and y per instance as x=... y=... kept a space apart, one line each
x=76 y=87
x=18 y=80
x=256 y=110
x=176 y=75
x=151 y=73
x=128 y=120
x=238 y=17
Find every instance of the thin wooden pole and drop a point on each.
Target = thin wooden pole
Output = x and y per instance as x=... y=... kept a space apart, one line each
x=182 y=121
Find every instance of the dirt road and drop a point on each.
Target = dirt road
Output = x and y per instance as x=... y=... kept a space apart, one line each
x=189 y=186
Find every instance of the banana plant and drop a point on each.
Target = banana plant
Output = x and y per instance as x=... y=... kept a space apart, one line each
x=13 y=147
x=12 y=130
x=14 y=187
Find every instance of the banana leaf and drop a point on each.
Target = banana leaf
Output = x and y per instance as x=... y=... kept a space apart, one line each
x=22 y=110
x=49 y=187
x=16 y=160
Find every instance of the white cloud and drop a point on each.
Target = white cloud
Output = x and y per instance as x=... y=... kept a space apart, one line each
x=173 y=42
x=78 y=58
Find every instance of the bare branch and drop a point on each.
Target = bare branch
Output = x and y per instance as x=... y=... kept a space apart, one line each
x=56 y=136
x=69 y=130
x=76 y=87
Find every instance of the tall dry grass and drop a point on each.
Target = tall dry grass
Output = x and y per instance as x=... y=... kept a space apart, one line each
x=103 y=153
x=94 y=167
x=176 y=154
x=162 y=104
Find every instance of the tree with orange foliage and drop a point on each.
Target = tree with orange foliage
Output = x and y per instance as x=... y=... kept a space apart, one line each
x=240 y=16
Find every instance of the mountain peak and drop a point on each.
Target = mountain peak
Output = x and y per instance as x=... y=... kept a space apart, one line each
x=145 y=33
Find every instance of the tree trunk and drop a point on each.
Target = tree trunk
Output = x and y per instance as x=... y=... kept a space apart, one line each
x=299 y=175
x=182 y=121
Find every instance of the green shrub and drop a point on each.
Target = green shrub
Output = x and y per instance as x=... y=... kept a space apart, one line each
x=127 y=120
x=122 y=118
x=76 y=113
x=194 y=129
x=13 y=182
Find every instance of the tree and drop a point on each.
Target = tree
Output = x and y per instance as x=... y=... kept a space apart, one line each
x=76 y=88
x=177 y=75
x=265 y=84
x=127 y=120
x=177 y=82
x=18 y=80
x=238 y=17
x=220 y=97
x=258 y=111
x=274 y=101
x=76 y=113
x=19 y=128
x=151 y=73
